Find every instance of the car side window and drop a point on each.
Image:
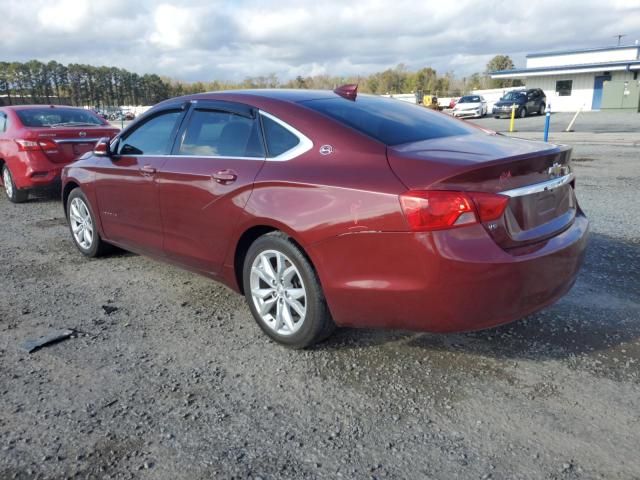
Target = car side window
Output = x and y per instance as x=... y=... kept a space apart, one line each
x=215 y=133
x=153 y=137
x=3 y=122
x=277 y=137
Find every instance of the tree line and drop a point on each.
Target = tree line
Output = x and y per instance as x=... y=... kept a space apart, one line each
x=102 y=87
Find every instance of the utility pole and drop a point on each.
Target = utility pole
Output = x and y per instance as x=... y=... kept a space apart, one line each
x=619 y=37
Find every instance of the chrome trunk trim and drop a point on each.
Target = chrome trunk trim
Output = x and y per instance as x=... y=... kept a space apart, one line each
x=539 y=187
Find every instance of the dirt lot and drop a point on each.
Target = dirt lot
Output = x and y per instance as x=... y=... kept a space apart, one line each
x=177 y=381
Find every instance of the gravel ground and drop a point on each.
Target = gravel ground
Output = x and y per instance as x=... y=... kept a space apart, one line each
x=171 y=378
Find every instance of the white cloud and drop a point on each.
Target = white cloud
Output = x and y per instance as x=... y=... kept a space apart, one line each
x=219 y=39
x=173 y=26
x=64 y=15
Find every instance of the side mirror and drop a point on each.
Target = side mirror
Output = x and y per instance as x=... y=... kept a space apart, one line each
x=102 y=148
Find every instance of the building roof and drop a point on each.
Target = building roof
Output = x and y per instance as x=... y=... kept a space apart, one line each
x=563 y=69
x=582 y=50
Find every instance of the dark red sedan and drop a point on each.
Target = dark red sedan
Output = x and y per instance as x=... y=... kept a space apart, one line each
x=331 y=208
x=36 y=141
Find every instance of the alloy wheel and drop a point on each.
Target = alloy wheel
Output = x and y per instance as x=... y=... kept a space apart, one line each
x=7 y=181
x=278 y=292
x=81 y=223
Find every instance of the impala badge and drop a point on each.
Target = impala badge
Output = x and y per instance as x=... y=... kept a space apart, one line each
x=326 y=150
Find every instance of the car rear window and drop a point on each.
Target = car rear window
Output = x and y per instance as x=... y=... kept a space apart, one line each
x=390 y=121
x=57 y=117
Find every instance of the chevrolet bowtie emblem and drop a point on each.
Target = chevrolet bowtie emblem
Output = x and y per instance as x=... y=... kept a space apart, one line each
x=557 y=170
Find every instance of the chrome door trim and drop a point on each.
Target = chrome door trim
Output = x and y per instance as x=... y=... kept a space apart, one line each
x=303 y=146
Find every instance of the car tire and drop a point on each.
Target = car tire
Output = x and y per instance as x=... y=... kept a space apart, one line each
x=276 y=295
x=541 y=109
x=13 y=194
x=83 y=226
x=522 y=112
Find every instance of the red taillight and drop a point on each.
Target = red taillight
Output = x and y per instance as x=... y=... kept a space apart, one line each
x=441 y=209
x=490 y=206
x=39 y=144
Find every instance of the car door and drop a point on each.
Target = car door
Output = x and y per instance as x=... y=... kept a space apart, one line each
x=126 y=187
x=206 y=182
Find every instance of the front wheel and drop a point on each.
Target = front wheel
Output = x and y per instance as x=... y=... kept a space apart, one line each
x=13 y=194
x=82 y=224
x=522 y=112
x=284 y=293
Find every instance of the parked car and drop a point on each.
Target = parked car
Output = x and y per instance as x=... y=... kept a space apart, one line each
x=526 y=102
x=452 y=102
x=37 y=141
x=332 y=208
x=470 y=106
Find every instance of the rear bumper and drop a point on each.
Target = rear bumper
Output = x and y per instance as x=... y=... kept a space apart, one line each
x=33 y=170
x=447 y=281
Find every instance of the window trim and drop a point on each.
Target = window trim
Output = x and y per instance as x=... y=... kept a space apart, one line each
x=304 y=145
x=130 y=130
x=6 y=121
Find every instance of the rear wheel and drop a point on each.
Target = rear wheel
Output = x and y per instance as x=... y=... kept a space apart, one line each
x=284 y=294
x=541 y=109
x=83 y=225
x=13 y=194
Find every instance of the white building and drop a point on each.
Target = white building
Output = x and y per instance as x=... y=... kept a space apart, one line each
x=574 y=79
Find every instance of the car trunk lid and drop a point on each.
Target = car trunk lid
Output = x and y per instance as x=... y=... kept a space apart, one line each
x=535 y=176
x=65 y=144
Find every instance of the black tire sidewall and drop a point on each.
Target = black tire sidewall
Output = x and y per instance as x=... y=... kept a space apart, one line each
x=95 y=245
x=315 y=319
x=522 y=113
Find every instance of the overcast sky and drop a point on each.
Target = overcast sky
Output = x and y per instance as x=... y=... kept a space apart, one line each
x=230 y=40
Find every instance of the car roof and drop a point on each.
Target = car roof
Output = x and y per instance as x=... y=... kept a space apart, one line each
x=281 y=94
x=31 y=107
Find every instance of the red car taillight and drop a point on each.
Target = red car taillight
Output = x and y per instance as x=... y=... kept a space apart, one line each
x=490 y=206
x=441 y=209
x=35 y=145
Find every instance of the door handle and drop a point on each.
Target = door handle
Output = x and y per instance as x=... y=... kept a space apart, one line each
x=225 y=176
x=147 y=170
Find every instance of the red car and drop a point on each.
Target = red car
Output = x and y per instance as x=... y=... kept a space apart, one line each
x=36 y=141
x=331 y=208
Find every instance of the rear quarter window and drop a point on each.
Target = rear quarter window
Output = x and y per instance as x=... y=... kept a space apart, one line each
x=279 y=139
x=390 y=121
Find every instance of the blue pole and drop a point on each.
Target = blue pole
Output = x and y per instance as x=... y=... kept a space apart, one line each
x=547 y=120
